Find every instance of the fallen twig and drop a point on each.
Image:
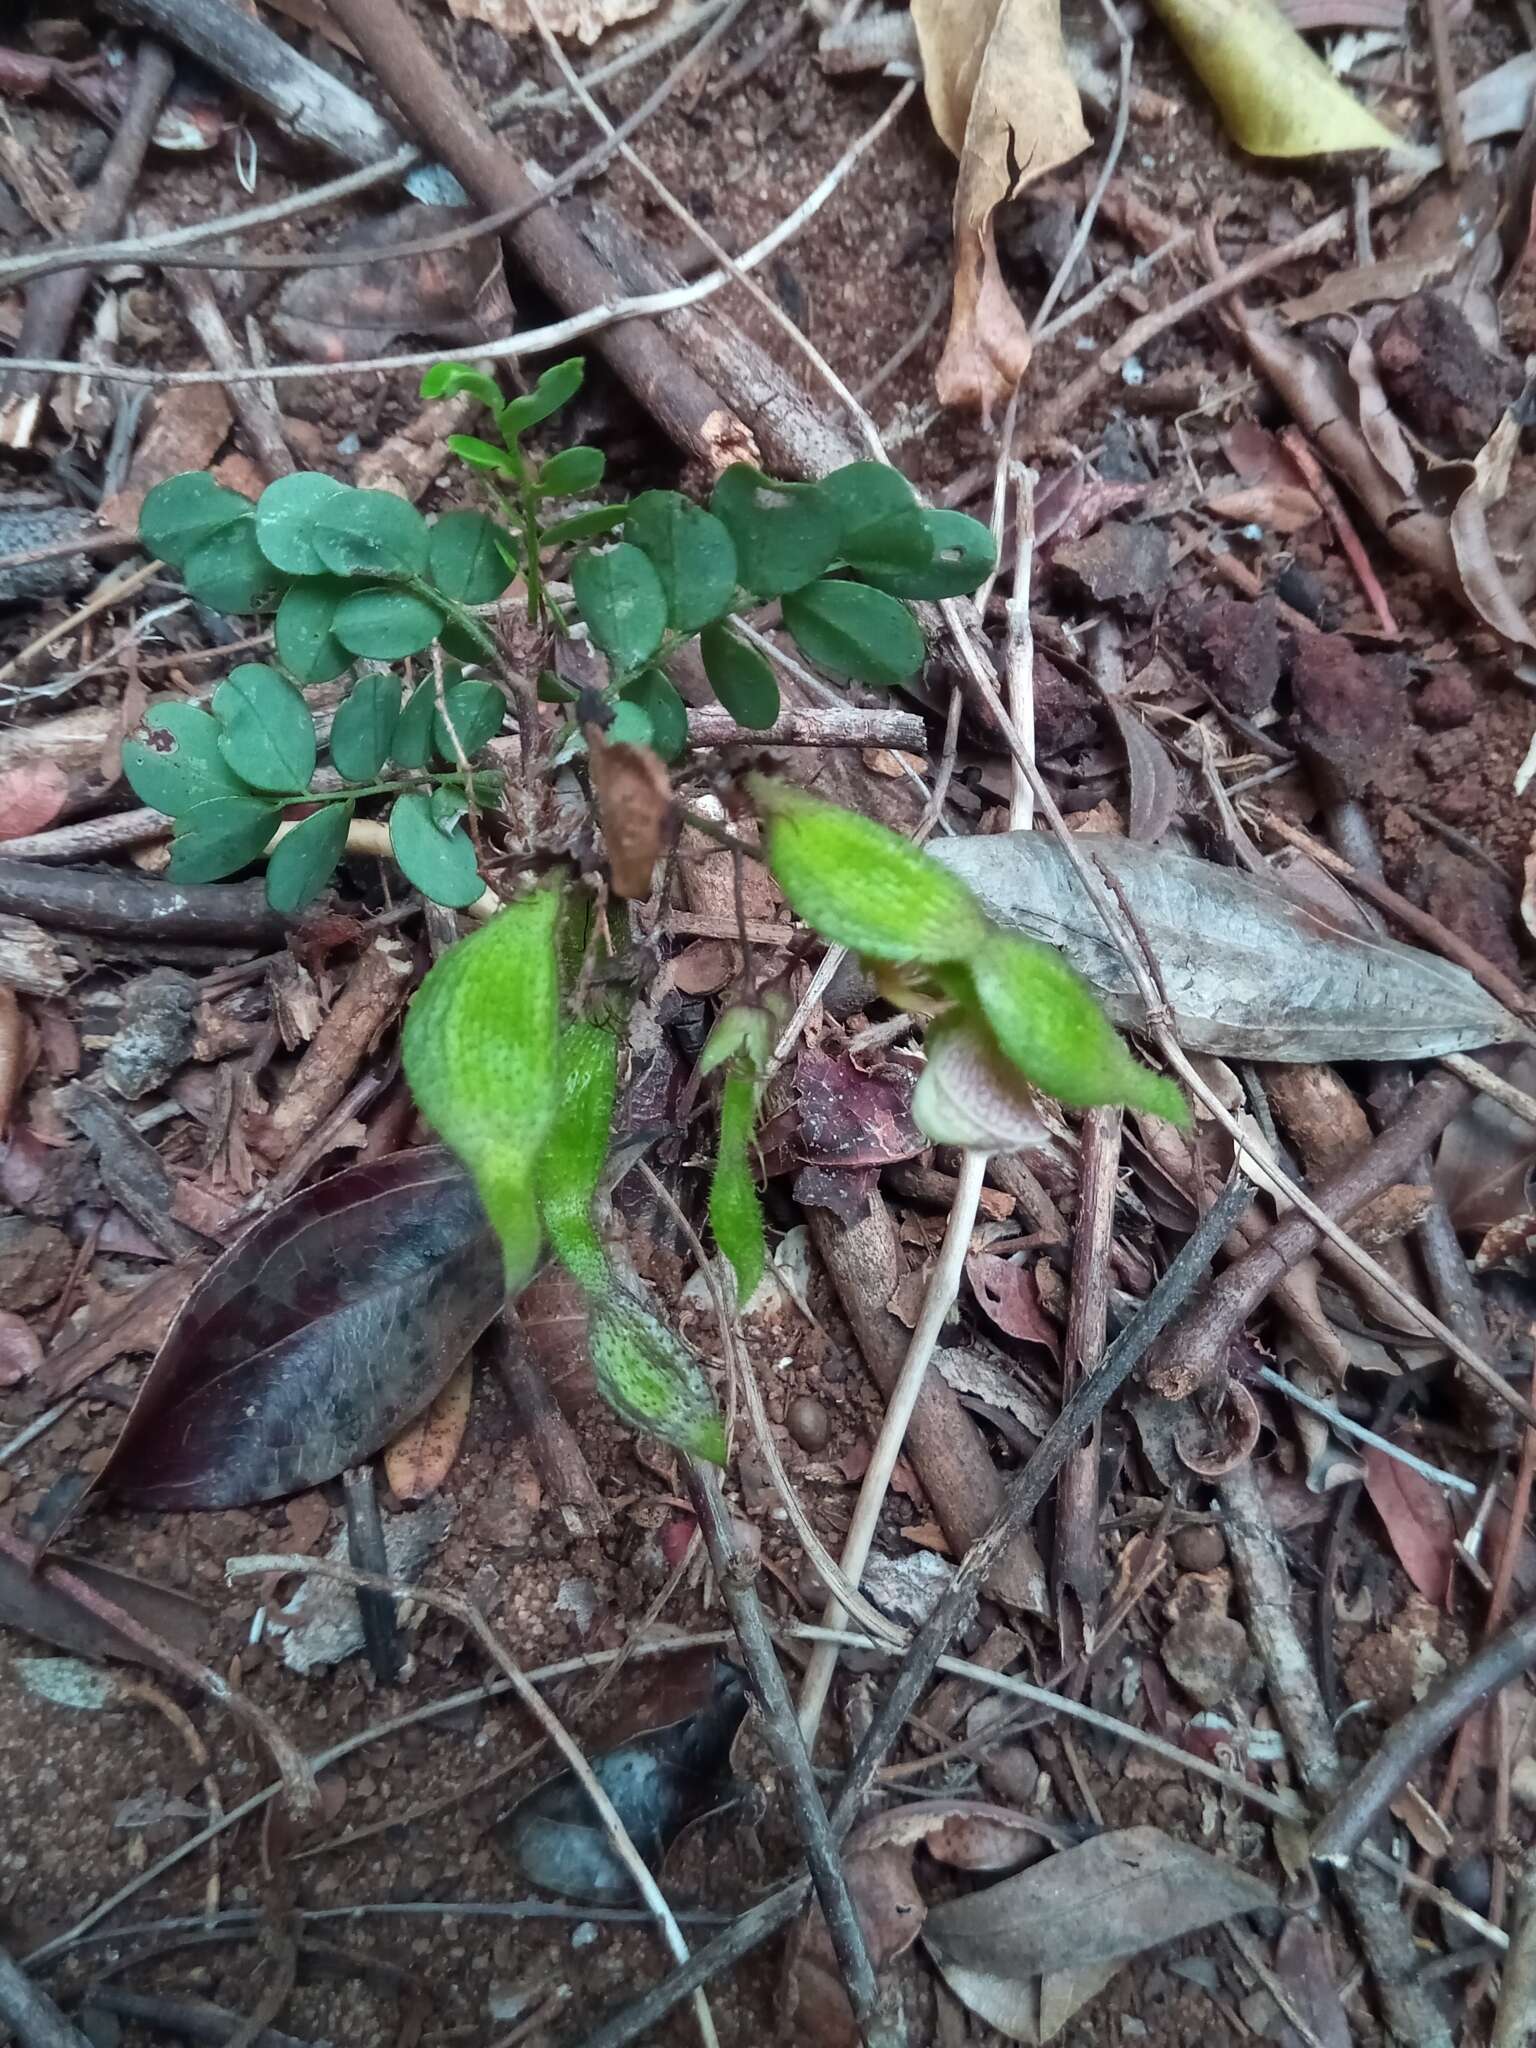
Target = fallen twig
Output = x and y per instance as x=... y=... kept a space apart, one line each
x=1515 y=2023
x=365 y=1548
x=831 y=725
x=36 y=2019
x=132 y=906
x=1452 y=133
x=258 y=417
x=1077 y=1567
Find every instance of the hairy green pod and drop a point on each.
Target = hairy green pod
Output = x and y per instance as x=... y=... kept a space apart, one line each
x=651 y=1378
x=735 y=1210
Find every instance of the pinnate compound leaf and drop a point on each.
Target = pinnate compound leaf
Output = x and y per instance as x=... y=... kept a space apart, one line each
x=572 y=1160
x=306 y=646
x=228 y=572
x=185 y=510
x=620 y=596
x=466 y=561
x=651 y=1378
x=1047 y=1021
x=371 y=533
x=472 y=713
x=740 y=677
x=862 y=886
x=785 y=535
x=480 y=1052
x=304 y=860
x=851 y=630
x=179 y=763
x=735 y=1209
x=666 y=715
x=286 y=514
x=961 y=557
x=692 y=553
x=314 y=1339
x=268 y=736
x=364 y=727
x=440 y=864
x=572 y=470
x=386 y=624
x=221 y=836
x=1276 y=96
x=556 y=387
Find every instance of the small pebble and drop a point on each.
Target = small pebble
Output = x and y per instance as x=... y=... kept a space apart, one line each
x=808 y=1423
x=1200 y=1549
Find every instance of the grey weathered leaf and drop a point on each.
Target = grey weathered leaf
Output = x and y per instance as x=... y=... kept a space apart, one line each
x=1250 y=971
x=1081 y=1909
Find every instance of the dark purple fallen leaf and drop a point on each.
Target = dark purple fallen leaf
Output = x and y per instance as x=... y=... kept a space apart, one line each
x=1008 y=1294
x=315 y=1339
x=849 y=1118
x=35 y=1605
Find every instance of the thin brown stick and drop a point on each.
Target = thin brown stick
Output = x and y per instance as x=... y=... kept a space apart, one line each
x=252 y=408
x=830 y=725
x=1452 y=134
x=1078 y=1566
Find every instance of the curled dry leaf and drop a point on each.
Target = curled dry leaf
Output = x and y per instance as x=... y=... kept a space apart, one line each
x=31 y=797
x=634 y=797
x=1417 y=1518
x=1483 y=1166
x=1008 y=1294
x=21 y=1353
x=422 y=1456
x=585 y=20
x=1002 y=99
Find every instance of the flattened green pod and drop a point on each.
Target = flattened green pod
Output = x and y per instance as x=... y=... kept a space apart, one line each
x=651 y=1377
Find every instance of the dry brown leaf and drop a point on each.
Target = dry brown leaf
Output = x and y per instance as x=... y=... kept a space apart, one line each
x=1278 y=508
x=14 y=1055
x=1417 y=1519
x=20 y=1351
x=584 y=20
x=31 y=797
x=1002 y=99
x=422 y=1456
x=187 y=428
x=634 y=797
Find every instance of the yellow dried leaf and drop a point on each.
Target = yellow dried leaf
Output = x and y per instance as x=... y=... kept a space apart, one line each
x=1274 y=93
x=422 y=1455
x=1002 y=98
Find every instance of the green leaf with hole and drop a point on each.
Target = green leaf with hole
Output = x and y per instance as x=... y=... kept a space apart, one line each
x=371 y=533
x=447 y=380
x=483 y=454
x=411 y=746
x=620 y=596
x=363 y=731
x=184 y=511
x=440 y=864
x=899 y=544
x=301 y=632
x=304 y=860
x=386 y=623
x=466 y=561
x=1049 y=1024
x=229 y=573
x=690 y=551
x=851 y=630
x=220 y=837
x=584 y=525
x=862 y=886
x=556 y=387
x=571 y=1163
x=785 y=535
x=178 y=765
x=651 y=1378
x=962 y=559
x=739 y=677
x=572 y=470
x=286 y=514
x=480 y=1051
x=268 y=734
x=666 y=713
x=735 y=1208
x=475 y=711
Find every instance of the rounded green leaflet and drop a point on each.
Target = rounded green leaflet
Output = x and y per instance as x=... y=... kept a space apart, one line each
x=665 y=712
x=1050 y=1025
x=447 y=380
x=556 y=387
x=363 y=730
x=862 y=886
x=785 y=535
x=474 y=711
x=739 y=677
x=900 y=544
x=861 y=494
x=440 y=864
x=184 y=510
x=584 y=525
x=304 y=859
x=220 y=837
x=269 y=735
x=465 y=561
x=178 y=764
x=411 y=746
x=286 y=513
x=962 y=558
x=371 y=533
x=851 y=630
x=651 y=1378
x=386 y=624
x=572 y=470
x=620 y=596
x=692 y=553
x=630 y=725
x=228 y=572
x=479 y=1046
x=301 y=632
x=482 y=454
x=571 y=1163
x=735 y=1210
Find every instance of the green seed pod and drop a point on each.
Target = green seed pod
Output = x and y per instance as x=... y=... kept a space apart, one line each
x=480 y=1055
x=651 y=1378
x=735 y=1211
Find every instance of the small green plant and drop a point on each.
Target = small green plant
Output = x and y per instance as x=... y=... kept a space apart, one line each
x=355 y=577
